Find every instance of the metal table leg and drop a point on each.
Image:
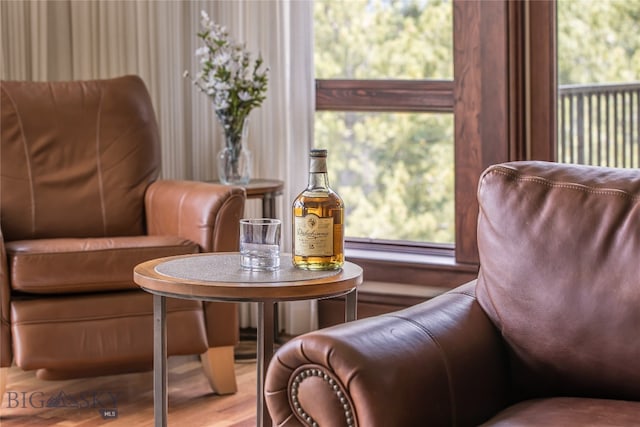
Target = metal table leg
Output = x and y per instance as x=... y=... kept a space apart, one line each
x=351 y=306
x=265 y=353
x=269 y=205
x=160 y=398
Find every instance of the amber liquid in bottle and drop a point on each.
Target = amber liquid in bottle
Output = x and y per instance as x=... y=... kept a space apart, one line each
x=318 y=221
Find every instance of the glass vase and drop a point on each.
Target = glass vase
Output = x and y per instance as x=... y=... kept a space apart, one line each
x=234 y=160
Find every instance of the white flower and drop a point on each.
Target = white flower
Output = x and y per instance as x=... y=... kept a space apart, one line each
x=221 y=59
x=205 y=21
x=220 y=32
x=221 y=105
x=202 y=51
x=222 y=86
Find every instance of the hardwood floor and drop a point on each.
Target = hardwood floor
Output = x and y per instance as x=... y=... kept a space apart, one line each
x=83 y=402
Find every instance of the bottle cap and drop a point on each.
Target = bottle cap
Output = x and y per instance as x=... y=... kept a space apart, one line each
x=317 y=152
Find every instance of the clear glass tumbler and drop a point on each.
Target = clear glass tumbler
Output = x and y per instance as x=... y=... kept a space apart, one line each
x=260 y=244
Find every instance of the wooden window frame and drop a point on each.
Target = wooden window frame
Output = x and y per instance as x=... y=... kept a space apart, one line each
x=427 y=96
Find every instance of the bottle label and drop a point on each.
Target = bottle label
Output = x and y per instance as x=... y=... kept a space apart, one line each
x=313 y=235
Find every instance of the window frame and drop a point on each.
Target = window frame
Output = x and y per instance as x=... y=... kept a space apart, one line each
x=425 y=96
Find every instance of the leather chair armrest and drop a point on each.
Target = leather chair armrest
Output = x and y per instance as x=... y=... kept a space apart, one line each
x=441 y=362
x=208 y=214
x=205 y=213
x=6 y=356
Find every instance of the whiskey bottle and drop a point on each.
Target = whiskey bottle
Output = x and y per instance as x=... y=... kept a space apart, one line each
x=318 y=220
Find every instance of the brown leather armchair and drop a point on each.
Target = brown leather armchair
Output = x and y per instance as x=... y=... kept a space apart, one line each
x=81 y=205
x=547 y=335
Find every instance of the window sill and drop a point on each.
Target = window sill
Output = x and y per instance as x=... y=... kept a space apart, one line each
x=434 y=260
x=400 y=290
x=424 y=269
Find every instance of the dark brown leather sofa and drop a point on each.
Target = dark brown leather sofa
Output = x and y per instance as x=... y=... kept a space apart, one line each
x=81 y=205
x=548 y=334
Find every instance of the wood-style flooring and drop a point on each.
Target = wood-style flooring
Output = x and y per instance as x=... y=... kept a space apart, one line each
x=90 y=402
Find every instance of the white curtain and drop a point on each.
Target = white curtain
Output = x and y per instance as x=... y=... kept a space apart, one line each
x=73 y=40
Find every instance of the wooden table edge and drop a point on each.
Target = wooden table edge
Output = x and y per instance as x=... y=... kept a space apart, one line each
x=343 y=282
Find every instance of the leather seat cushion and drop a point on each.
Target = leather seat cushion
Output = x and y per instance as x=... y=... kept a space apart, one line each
x=52 y=266
x=100 y=331
x=568 y=411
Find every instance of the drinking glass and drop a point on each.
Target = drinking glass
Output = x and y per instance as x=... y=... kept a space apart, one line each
x=260 y=244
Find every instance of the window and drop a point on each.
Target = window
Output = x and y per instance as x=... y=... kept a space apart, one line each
x=384 y=101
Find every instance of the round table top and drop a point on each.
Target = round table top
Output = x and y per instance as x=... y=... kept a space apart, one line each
x=219 y=277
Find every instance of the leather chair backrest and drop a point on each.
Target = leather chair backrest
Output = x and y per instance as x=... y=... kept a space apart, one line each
x=560 y=276
x=76 y=157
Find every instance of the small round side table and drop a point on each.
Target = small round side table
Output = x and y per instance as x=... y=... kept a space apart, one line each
x=219 y=277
